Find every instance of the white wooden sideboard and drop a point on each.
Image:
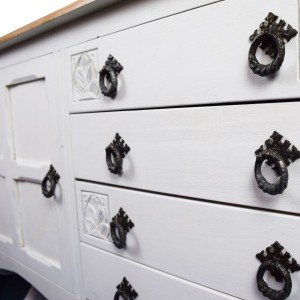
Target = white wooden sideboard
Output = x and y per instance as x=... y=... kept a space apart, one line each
x=153 y=121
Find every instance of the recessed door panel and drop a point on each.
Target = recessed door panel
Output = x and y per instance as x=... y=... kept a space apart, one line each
x=30 y=121
x=39 y=222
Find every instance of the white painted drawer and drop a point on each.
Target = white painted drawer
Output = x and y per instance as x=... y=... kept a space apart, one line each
x=205 y=152
x=213 y=245
x=199 y=56
x=103 y=272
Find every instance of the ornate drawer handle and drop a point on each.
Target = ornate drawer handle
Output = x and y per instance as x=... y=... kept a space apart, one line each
x=279 y=264
x=117 y=148
x=270 y=37
x=277 y=153
x=110 y=71
x=122 y=224
x=49 y=182
x=125 y=290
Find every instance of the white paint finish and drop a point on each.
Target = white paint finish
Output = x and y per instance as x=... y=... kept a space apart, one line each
x=30 y=130
x=104 y=271
x=40 y=227
x=39 y=221
x=118 y=17
x=199 y=57
x=203 y=152
x=46 y=287
x=6 y=214
x=213 y=245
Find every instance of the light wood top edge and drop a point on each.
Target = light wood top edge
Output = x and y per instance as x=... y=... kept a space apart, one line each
x=49 y=21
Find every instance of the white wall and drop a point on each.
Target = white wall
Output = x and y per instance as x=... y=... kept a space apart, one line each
x=17 y=13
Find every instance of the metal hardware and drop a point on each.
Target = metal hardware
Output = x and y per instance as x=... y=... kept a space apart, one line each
x=270 y=38
x=49 y=182
x=279 y=155
x=279 y=264
x=110 y=71
x=125 y=290
x=117 y=148
x=122 y=224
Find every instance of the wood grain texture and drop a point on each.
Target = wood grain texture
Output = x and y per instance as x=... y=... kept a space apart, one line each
x=200 y=57
x=39 y=225
x=213 y=245
x=206 y=152
x=103 y=272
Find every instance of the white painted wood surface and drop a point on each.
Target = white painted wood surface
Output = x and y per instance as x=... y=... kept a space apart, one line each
x=116 y=18
x=104 y=271
x=7 y=221
x=33 y=120
x=213 y=245
x=197 y=57
x=205 y=152
x=45 y=286
x=170 y=57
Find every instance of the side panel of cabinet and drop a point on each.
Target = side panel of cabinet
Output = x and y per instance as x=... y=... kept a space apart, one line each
x=7 y=220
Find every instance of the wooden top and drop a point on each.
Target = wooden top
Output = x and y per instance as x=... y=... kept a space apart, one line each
x=64 y=15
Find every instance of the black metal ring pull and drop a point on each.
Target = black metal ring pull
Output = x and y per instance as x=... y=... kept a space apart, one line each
x=125 y=290
x=49 y=182
x=270 y=38
x=279 y=155
x=275 y=266
x=110 y=72
x=279 y=264
x=116 y=151
x=119 y=227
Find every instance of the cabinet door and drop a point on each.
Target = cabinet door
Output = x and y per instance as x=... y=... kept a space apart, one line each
x=35 y=143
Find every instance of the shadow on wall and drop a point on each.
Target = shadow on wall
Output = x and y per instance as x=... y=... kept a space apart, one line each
x=14 y=287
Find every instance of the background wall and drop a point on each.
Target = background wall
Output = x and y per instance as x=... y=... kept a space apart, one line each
x=17 y=13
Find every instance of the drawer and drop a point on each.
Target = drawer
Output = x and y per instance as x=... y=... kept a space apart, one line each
x=103 y=272
x=205 y=152
x=212 y=245
x=196 y=57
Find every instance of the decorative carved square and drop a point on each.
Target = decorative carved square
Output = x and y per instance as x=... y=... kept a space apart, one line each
x=96 y=215
x=85 y=78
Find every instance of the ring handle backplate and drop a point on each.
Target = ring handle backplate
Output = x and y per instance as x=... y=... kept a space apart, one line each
x=125 y=290
x=270 y=37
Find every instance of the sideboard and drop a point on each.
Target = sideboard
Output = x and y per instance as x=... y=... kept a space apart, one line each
x=148 y=150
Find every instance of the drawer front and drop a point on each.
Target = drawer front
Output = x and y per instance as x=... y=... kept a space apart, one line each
x=209 y=244
x=206 y=152
x=103 y=272
x=199 y=56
